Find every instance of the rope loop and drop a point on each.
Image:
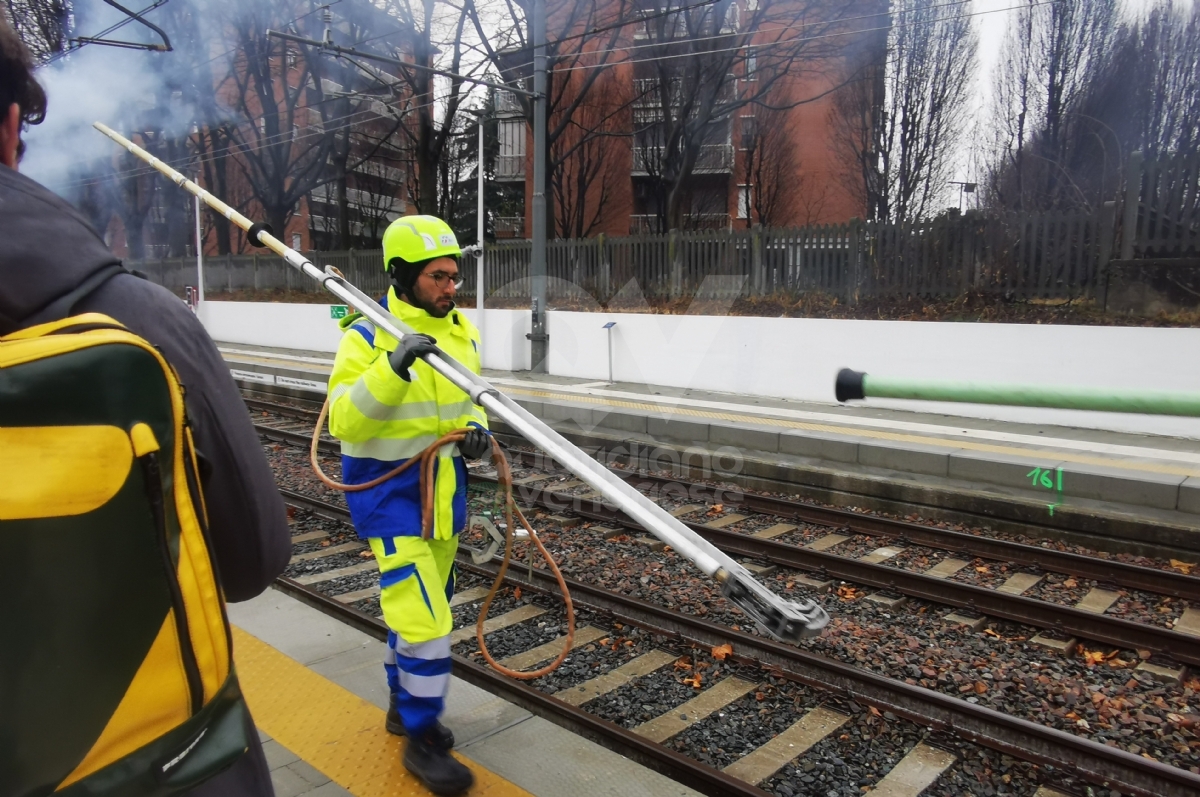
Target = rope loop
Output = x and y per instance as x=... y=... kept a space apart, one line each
x=428 y=459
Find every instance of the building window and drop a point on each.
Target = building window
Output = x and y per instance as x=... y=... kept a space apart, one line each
x=511 y=162
x=745 y=198
x=751 y=66
x=749 y=131
x=296 y=241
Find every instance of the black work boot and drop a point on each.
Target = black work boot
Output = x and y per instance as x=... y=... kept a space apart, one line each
x=441 y=773
x=395 y=726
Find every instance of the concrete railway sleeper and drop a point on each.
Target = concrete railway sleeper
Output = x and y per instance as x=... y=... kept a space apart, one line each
x=1017 y=608
x=1162 y=582
x=1019 y=738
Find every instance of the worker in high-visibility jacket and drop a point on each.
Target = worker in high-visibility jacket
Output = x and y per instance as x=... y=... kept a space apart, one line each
x=387 y=406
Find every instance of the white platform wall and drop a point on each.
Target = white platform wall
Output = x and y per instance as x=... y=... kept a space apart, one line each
x=798 y=358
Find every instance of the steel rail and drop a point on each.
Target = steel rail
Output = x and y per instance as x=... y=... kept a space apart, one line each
x=1160 y=582
x=1023 y=739
x=1028 y=611
x=1126 y=634
x=1020 y=738
x=661 y=759
x=296 y=438
x=782 y=618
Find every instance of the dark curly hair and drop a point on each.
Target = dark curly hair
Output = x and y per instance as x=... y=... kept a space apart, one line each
x=17 y=84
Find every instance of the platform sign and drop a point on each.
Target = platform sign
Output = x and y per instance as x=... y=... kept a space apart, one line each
x=338 y=311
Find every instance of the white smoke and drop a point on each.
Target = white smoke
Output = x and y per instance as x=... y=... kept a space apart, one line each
x=97 y=83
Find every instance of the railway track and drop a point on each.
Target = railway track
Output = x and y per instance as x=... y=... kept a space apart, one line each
x=670 y=636
x=676 y=630
x=876 y=569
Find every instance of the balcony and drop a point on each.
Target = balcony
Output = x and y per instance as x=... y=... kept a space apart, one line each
x=510 y=167
x=510 y=226
x=713 y=159
x=507 y=104
x=674 y=26
x=645 y=92
x=647 y=223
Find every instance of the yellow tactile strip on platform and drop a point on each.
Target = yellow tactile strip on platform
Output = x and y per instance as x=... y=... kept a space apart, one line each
x=333 y=729
x=1032 y=453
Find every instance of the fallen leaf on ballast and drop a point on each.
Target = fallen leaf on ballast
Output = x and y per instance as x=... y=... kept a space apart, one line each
x=366 y=555
x=847 y=592
x=1182 y=567
x=721 y=652
x=517 y=593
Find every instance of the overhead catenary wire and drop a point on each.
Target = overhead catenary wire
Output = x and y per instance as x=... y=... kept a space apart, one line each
x=776 y=43
x=312 y=131
x=749 y=46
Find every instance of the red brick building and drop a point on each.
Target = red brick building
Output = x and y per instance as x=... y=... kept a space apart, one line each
x=768 y=155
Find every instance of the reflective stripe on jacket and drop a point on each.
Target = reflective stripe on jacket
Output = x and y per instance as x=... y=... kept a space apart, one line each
x=383 y=421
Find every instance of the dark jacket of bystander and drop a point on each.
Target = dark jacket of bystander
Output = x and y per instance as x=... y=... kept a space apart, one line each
x=47 y=248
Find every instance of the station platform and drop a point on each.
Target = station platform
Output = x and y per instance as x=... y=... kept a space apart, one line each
x=317 y=692
x=1141 y=491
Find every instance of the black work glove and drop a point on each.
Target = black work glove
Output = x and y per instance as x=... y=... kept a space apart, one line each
x=475 y=445
x=411 y=347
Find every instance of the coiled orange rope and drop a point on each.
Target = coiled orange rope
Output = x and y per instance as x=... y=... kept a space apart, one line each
x=428 y=459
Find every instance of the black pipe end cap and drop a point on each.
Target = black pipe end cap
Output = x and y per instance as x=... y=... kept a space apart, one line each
x=257 y=228
x=849 y=385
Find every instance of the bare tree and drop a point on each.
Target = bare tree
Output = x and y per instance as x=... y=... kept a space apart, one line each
x=583 y=44
x=41 y=24
x=773 y=190
x=899 y=122
x=282 y=140
x=705 y=62
x=430 y=116
x=1050 y=62
x=1166 y=100
x=585 y=174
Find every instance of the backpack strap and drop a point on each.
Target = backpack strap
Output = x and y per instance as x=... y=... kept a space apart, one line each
x=63 y=305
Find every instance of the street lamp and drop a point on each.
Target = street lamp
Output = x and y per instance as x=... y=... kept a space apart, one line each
x=480 y=118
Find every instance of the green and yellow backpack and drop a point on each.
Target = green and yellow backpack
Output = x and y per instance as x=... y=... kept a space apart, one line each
x=116 y=675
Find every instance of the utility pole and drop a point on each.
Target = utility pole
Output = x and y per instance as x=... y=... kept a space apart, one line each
x=539 y=341
x=479 y=233
x=199 y=253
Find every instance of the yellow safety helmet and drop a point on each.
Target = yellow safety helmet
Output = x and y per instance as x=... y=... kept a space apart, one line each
x=415 y=239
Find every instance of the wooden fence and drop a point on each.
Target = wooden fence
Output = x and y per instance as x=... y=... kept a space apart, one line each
x=1047 y=255
x=1162 y=207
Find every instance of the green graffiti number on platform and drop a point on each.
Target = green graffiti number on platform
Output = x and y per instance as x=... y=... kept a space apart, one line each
x=1051 y=480
x=338 y=311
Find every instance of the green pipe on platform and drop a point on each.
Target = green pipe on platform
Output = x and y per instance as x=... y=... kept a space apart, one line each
x=856 y=385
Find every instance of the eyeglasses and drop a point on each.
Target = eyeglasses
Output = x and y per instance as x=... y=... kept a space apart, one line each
x=441 y=279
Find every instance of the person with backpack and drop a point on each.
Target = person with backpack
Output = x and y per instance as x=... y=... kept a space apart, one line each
x=190 y=473
x=388 y=407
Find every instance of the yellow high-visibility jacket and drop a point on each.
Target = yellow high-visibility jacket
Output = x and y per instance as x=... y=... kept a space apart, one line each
x=383 y=420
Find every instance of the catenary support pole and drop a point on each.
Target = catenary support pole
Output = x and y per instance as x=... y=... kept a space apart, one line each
x=479 y=229
x=199 y=258
x=855 y=385
x=783 y=619
x=539 y=342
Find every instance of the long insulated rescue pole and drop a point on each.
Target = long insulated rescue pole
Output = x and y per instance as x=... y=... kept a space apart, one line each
x=852 y=385
x=782 y=619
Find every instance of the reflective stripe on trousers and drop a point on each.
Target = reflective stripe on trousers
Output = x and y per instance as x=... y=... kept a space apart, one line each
x=418 y=677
